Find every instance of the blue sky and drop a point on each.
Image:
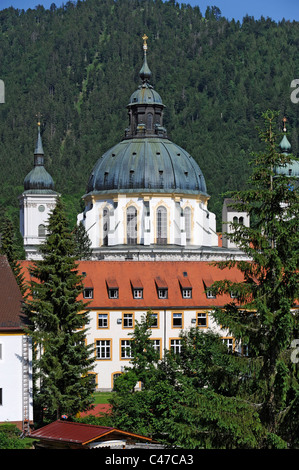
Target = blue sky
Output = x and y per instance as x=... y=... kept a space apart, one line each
x=275 y=9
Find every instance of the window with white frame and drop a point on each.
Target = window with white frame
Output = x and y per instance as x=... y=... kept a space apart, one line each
x=175 y=346
x=103 y=320
x=161 y=225
x=229 y=342
x=103 y=349
x=42 y=230
x=131 y=225
x=138 y=293
x=128 y=320
x=187 y=293
x=162 y=293
x=125 y=349
x=113 y=293
x=157 y=345
x=210 y=294
x=88 y=293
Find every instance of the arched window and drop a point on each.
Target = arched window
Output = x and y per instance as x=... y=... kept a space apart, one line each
x=131 y=225
x=105 y=225
x=41 y=230
x=187 y=216
x=162 y=225
x=149 y=124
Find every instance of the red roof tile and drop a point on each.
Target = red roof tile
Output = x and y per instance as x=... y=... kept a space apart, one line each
x=200 y=274
x=77 y=433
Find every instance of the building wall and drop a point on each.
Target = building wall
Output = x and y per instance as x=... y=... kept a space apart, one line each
x=202 y=222
x=11 y=373
x=116 y=331
x=34 y=213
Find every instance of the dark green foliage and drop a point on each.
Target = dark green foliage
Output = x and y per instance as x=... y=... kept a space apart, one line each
x=270 y=288
x=192 y=400
x=78 y=65
x=82 y=242
x=9 y=248
x=58 y=324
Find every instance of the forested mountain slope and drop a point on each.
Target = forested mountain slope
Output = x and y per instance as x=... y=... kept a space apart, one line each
x=78 y=65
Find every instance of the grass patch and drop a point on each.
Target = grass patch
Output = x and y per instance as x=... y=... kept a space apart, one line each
x=101 y=397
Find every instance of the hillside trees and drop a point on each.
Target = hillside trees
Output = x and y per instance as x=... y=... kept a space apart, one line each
x=78 y=65
x=58 y=324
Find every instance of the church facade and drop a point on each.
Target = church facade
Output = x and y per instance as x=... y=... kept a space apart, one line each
x=152 y=237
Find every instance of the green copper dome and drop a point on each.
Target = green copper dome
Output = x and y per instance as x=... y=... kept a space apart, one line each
x=146 y=165
x=38 y=179
x=146 y=160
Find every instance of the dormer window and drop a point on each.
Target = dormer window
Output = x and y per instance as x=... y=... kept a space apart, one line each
x=138 y=293
x=113 y=293
x=88 y=293
x=210 y=294
x=163 y=293
x=137 y=288
x=112 y=288
x=187 y=293
x=162 y=288
x=185 y=285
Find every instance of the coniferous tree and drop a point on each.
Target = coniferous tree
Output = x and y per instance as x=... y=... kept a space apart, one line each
x=264 y=320
x=57 y=325
x=9 y=249
x=82 y=242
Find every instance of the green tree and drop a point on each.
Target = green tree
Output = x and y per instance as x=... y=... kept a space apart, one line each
x=57 y=325
x=9 y=249
x=192 y=399
x=82 y=242
x=263 y=319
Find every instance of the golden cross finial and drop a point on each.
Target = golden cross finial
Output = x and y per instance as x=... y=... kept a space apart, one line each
x=284 y=121
x=144 y=37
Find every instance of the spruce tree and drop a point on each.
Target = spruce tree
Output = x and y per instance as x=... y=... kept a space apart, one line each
x=57 y=325
x=82 y=242
x=263 y=319
x=9 y=249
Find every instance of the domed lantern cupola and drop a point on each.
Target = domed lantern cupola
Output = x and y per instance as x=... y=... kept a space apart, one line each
x=145 y=108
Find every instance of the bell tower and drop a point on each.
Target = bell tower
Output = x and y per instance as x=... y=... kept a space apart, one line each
x=36 y=202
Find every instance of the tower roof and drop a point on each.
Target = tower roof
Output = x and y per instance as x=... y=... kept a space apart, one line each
x=146 y=160
x=291 y=168
x=38 y=179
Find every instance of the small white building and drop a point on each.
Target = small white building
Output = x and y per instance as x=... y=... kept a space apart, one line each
x=16 y=401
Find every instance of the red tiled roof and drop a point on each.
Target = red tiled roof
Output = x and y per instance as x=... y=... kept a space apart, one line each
x=77 y=433
x=167 y=274
x=97 y=410
x=11 y=298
